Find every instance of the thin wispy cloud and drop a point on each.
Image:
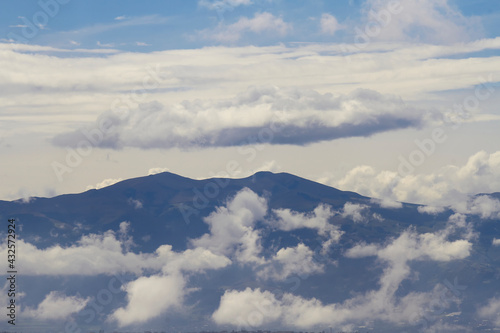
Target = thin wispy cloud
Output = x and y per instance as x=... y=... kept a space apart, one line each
x=259 y=24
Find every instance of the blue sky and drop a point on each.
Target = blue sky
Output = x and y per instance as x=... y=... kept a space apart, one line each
x=355 y=85
x=176 y=24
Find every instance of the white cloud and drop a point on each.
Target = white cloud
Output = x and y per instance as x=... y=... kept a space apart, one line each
x=260 y=23
x=222 y=5
x=432 y=210
x=387 y=203
x=496 y=242
x=231 y=228
x=105 y=44
x=419 y=21
x=113 y=257
x=149 y=297
x=192 y=260
x=329 y=24
x=355 y=212
x=381 y=304
x=318 y=219
x=154 y=171
x=104 y=183
x=248 y=308
x=447 y=186
x=491 y=311
x=482 y=205
x=291 y=261
x=56 y=306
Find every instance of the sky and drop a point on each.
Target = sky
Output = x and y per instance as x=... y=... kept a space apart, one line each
x=396 y=100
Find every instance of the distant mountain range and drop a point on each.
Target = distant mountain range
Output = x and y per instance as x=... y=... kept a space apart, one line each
x=271 y=251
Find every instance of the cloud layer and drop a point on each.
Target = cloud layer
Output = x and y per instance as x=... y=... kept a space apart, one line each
x=255 y=308
x=259 y=115
x=448 y=186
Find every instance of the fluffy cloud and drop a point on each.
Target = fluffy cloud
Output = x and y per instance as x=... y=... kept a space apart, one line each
x=329 y=24
x=247 y=308
x=260 y=23
x=432 y=210
x=491 y=311
x=496 y=242
x=448 y=186
x=104 y=183
x=192 y=260
x=154 y=171
x=149 y=297
x=482 y=205
x=231 y=228
x=260 y=114
x=289 y=261
x=111 y=256
x=387 y=203
x=318 y=219
x=232 y=234
x=355 y=212
x=381 y=304
x=56 y=306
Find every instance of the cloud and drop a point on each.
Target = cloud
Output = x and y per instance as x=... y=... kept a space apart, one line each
x=484 y=206
x=247 y=308
x=355 y=212
x=260 y=23
x=329 y=24
x=419 y=21
x=149 y=297
x=231 y=228
x=291 y=261
x=260 y=114
x=496 y=242
x=387 y=203
x=137 y=204
x=447 y=186
x=491 y=310
x=112 y=249
x=56 y=306
x=119 y=23
x=411 y=246
x=154 y=171
x=221 y=5
x=382 y=304
x=105 y=44
x=318 y=219
x=104 y=183
x=432 y=210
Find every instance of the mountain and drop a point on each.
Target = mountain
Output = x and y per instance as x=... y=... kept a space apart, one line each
x=216 y=253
